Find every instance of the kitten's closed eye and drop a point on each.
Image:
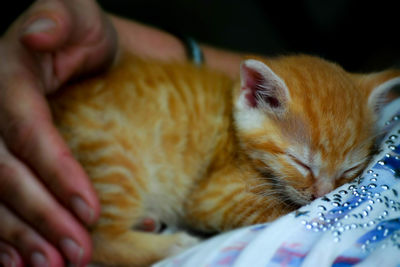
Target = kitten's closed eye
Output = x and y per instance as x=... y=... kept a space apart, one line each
x=322 y=181
x=348 y=173
x=352 y=171
x=304 y=166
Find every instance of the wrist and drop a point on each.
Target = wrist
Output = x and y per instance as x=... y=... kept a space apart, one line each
x=226 y=61
x=146 y=41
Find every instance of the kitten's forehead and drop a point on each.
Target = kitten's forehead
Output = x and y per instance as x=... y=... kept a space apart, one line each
x=328 y=112
x=312 y=76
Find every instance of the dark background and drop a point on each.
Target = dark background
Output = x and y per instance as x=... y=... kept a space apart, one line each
x=359 y=35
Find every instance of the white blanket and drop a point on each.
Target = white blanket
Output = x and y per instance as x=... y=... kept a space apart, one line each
x=357 y=224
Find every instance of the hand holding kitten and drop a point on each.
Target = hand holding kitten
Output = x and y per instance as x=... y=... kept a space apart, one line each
x=44 y=193
x=45 y=196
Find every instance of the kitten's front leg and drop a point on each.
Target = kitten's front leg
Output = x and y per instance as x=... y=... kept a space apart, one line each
x=225 y=200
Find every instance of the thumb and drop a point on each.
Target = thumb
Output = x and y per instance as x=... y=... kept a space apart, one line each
x=45 y=26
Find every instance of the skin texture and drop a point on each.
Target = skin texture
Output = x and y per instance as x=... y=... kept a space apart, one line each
x=45 y=195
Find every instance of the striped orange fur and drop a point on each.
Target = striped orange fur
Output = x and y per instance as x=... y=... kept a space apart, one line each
x=188 y=147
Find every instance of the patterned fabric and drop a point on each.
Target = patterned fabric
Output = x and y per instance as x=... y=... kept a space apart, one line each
x=357 y=224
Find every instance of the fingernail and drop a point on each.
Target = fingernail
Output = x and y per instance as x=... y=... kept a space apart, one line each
x=82 y=209
x=39 y=260
x=6 y=260
x=73 y=252
x=40 y=25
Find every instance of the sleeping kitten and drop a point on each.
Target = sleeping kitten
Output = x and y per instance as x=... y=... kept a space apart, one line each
x=186 y=146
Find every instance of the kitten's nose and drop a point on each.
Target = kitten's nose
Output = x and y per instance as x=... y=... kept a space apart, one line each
x=322 y=188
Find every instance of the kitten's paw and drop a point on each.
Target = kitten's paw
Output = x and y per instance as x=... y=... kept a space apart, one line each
x=149 y=224
x=183 y=242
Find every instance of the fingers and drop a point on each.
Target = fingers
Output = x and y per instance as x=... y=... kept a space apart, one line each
x=28 y=132
x=46 y=152
x=83 y=38
x=17 y=234
x=45 y=26
x=28 y=199
x=40 y=182
x=9 y=257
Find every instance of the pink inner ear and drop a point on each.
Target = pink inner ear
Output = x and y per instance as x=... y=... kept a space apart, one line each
x=251 y=79
x=257 y=88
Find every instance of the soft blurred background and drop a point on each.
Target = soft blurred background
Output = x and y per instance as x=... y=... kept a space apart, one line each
x=359 y=35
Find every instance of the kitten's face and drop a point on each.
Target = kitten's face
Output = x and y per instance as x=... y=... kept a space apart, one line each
x=306 y=124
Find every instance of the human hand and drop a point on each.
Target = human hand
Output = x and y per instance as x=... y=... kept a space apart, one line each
x=45 y=196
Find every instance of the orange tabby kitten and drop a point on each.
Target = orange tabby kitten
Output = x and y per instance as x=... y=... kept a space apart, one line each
x=186 y=146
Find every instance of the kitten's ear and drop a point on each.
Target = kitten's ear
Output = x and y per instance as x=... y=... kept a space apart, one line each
x=379 y=85
x=262 y=88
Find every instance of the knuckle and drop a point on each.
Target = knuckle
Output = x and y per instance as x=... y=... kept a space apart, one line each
x=59 y=170
x=19 y=234
x=6 y=168
x=11 y=229
x=19 y=136
x=60 y=161
x=40 y=218
x=8 y=172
